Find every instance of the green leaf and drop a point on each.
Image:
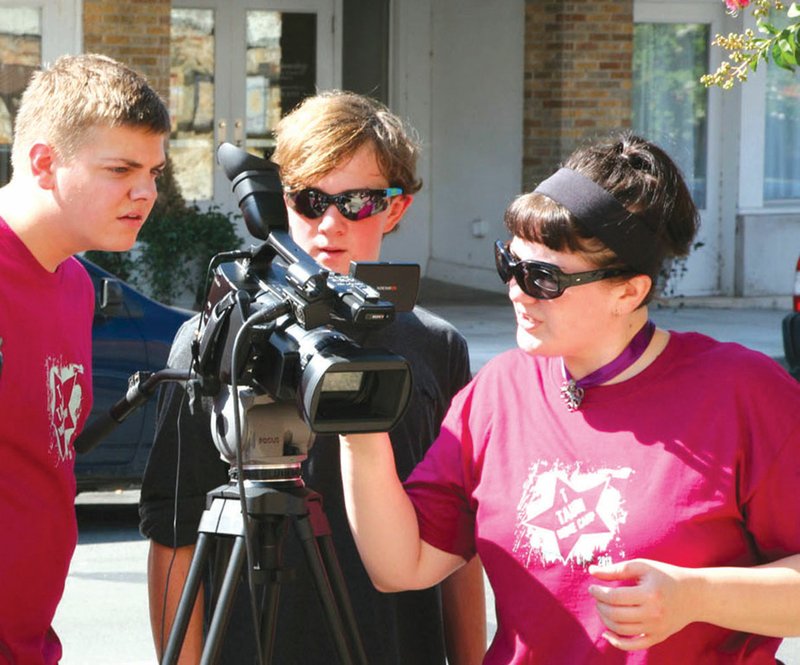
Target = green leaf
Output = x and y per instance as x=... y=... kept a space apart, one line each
x=776 y=53
x=767 y=28
x=788 y=52
x=793 y=11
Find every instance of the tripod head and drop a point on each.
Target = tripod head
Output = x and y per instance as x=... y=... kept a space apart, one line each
x=274 y=439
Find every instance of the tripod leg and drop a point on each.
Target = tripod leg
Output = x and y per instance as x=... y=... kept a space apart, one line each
x=324 y=535
x=273 y=533
x=269 y=616
x=222 y=611
x=323 y=585
x=186 y=603
x=342 y=596
x=220 y=555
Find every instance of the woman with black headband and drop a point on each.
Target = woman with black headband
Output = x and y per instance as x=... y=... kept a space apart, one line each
x=632 y=492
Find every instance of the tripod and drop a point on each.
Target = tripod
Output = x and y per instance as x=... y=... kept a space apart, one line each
x=270 y=506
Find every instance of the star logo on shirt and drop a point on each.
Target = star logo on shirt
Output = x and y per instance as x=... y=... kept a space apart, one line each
x=568 y=517
x=572 y=515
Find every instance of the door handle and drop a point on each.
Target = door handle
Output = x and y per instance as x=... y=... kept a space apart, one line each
x=222 y=131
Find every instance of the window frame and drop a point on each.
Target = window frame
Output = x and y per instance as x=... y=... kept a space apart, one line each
x=62 y=25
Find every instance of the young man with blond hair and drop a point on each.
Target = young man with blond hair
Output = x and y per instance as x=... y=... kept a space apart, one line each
x=348 y=166
x=88 y=147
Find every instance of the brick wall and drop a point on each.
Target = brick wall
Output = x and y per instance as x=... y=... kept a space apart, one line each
x=578 y=77
x=135 y=32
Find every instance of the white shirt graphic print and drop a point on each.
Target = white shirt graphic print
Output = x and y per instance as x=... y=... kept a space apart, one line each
x=64 y=402
x=569 y=514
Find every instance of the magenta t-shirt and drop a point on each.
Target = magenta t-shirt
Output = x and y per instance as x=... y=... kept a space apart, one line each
x=694 y=462
x=45 y=397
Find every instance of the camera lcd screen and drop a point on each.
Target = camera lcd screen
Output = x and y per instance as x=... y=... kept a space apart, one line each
x=342 y=382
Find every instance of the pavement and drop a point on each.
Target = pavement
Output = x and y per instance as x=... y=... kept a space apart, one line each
x=486 y=319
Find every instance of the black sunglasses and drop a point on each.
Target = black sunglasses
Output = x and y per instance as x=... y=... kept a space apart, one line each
x=544 y=281
x=354 y=204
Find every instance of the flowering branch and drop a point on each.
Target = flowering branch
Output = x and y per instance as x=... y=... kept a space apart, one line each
x=745 y=50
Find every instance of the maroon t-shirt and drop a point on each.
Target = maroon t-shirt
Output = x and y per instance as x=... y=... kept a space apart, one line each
x=45 y=397
x=693 y=462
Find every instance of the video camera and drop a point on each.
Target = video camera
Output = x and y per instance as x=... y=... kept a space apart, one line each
x=271 y=335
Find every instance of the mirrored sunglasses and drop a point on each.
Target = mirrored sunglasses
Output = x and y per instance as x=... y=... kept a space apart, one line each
x=354 y=204
x=544 y=281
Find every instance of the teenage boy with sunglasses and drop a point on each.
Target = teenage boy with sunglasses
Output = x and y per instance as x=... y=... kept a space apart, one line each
x=348 y=168
x=88 y=146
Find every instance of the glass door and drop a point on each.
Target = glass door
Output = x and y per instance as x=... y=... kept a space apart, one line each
x=235 y=70
x=30 y=32
x=671 y=51
x=20 y=55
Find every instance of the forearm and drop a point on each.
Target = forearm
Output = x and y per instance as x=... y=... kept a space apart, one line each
x=764 y=599
x=383 y=520
x=164 y=587
x=464 y=611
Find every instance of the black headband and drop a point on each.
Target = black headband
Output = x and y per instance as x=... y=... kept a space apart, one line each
x=600 y=214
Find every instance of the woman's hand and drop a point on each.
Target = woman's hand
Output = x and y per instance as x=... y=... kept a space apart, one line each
x=654 y=601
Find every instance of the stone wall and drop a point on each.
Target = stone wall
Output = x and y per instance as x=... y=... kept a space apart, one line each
x=578 y=77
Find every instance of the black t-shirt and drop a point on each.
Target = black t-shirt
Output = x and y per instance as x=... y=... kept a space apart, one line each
x=396 y=629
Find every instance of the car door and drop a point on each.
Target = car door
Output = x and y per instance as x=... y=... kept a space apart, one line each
x=118 y=351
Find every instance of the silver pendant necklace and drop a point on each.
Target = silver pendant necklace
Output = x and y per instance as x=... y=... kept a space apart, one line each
x=572 y=391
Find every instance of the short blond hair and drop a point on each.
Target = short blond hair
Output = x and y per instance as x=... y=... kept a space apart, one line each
x=77 y=93
x=327 y=129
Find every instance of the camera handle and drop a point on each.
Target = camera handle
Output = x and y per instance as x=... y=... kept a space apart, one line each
x=270 y=508
x=141 y=387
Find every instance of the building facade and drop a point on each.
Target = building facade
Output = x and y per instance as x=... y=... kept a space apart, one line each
x=499 y=90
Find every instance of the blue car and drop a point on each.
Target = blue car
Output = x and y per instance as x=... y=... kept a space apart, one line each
x=130 y=333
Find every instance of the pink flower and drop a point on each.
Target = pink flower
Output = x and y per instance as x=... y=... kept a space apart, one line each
x=735 y=5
